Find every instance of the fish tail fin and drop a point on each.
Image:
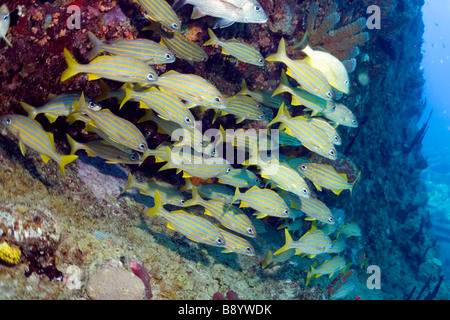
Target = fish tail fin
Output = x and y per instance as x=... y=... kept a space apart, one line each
x=29 y=109
x=158 y=204
x=284 y=84
x=130 y=183
x=281 y=115
x=74 y=145
x=187 y=185
x=281 y=53
x=244 y=91
x=303 y=43
x=169 y=164
x=128 y=91
x=309 y=276
x=97 y=45
x=195 y=198
x=212 y=38
x=268 y=260
x=65 y=160
x=8 y=42
x=286 y=245
x=71 y=66
x=105 y=92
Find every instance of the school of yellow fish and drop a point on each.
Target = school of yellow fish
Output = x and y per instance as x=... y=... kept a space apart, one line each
x=279 y=187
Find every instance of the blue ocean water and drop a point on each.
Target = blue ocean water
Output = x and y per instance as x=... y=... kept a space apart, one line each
x=436 y=143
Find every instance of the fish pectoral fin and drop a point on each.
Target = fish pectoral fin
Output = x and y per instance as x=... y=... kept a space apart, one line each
x=45 y=158
x=225 y=52
x=197 y=13
x=337 y=191
x=223 y=23
x=243 y=204
x=226 y=251
x=318 y=187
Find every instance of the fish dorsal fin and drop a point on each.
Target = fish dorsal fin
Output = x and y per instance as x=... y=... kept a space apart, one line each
x=169 y=225
x=197 y=13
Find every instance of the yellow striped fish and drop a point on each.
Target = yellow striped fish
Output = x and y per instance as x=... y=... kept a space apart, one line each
x=240 y=178
x=30 y=133
x=57 y=106
x=267 y=98
x=195 y=166
x=328 y=129
x=115 y=128
x=281 y=257
x=338 y=245
x=324 y=175
x=310 y=136
x=234 y=243
x=342 y=116
x=229 y=216
x=169 y=194
x=146 y=50
x=311 y=79
x=168 y=106
x=303 y=97
x=316 y=210
x=241 y=51
x=283 y=176
x=333 y=69
x=350 y=229
x=193 y=227
x=162 y=12
x=312 y=243
x=182 y=48
x=119 y=68
x=329 y=267
x=104 y=150
x=191 y=88
x=267 y=202
x=243 y=108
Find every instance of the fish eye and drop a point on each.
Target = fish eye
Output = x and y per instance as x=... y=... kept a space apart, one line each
x=8 y=121
x=150 y=77
x=330 y=219
x=174 y=25
x=303 y=167
x=250 y=231
x=248 y=249
x=133 y=157
x=336 y=138
x=346 y=82
x=213 y=153
x=182 y=202
x=305 y=191
x=228 y=170
x=5 y=17
x=329 y=95
x=286 y=211
x=218 y=99
x=331 y=153
x=168 y=56
x=354 y=121
x=187 y=120
x=141 y=146
x=261 y=117
x=261 y=61
x=219 y=241
x=257 y=8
